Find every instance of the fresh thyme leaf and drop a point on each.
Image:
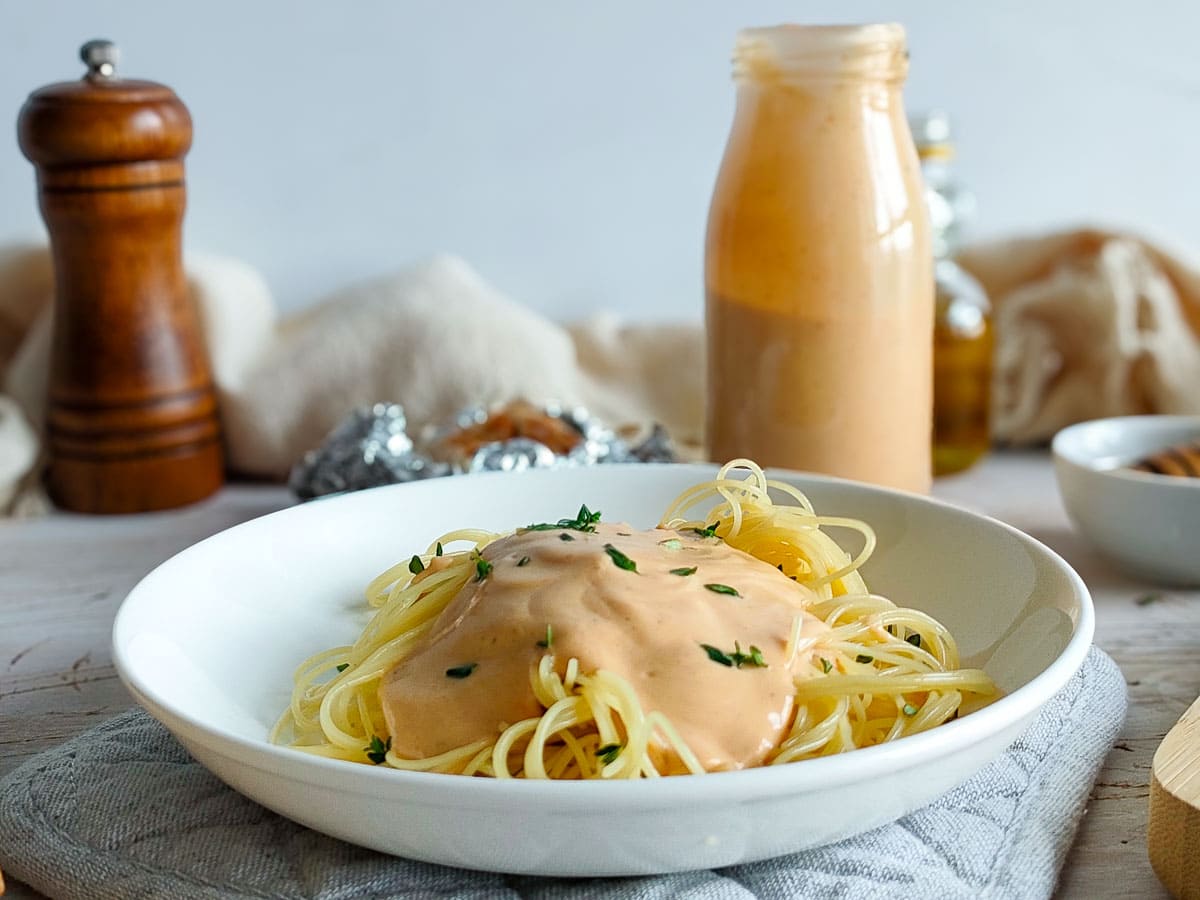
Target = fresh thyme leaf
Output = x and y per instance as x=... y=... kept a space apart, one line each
x=565 y=537
x=548 y=640
x=377 y=750
x=620 y=560
x=710 y=531
x=342 y=667
x=723 y=589
x=737 y=658
x=909 y=709
x=483 y=569
x=826 y=665
x=672 y=544
x=608 y=753
x=1147 y=599
x=753 y=658
x=415 y=565
x=914 y=639
x=523 y=561
x=717 y=656
x=439 y=549
x=624 y=534
x=585 y=520
x=863 y=658
x=461 y=671
x=684 y=570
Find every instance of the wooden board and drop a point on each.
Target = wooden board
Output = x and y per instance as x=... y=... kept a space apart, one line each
x=1173 y=836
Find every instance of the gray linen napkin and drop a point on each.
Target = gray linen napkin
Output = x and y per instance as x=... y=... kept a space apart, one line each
x=123 y=812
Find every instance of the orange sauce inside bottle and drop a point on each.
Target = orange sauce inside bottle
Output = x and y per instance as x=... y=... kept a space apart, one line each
x=818 y=264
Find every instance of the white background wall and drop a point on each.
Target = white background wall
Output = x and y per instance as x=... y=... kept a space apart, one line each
x=568 y=149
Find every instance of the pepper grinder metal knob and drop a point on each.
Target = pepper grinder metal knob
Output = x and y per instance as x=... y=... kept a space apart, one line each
x=101 y=58
x=131 y=417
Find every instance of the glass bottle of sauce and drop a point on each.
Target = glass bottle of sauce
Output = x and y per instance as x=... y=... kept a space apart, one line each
x=962 y=333
x=818 y=266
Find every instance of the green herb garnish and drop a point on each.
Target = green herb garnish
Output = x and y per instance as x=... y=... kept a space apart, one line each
x=826 y=665
x=439 y=549
x=377 y=750
x=548 y=640
x=608 y=753
x=753 y=658
x=723 y=589
x=737 y=658
x=585 y=521
x=565 y=537
x=1147 y=599
x=620 y=560
x=710 y=531
x=415 y=565
x=914 y=639
x=672 y=544
x=461 y=671
x=342 y=667
x=717 y=656
x=909 y=709
x=483 y=569
x=523 y=561
x=685 y=570
x=863 y=658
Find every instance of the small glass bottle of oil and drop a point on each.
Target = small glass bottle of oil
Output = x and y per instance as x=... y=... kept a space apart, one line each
x=962 y=334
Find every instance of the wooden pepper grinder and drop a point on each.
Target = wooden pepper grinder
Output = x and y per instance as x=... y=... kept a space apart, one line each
x=131 y=422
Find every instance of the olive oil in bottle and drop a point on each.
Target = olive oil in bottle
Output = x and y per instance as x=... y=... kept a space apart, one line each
x=962 y=334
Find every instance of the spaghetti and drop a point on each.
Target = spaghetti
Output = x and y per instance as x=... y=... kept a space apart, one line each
x=826 y=666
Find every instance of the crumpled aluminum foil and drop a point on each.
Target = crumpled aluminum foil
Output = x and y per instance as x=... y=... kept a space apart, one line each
x=372 y=447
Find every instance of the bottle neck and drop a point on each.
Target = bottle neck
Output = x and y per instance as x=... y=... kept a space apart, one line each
x=800 y=54
x=951 y=205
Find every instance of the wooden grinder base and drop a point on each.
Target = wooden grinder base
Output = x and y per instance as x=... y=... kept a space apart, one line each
x=1173 y=839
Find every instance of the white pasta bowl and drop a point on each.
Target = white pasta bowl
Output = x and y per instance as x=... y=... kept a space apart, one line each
x=208 y=641
x=1148 y=524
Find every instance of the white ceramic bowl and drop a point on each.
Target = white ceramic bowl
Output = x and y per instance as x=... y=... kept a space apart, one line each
x=207 y=643
x=1148 y=524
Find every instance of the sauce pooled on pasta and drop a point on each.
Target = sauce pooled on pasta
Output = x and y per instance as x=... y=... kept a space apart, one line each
x=648 y=626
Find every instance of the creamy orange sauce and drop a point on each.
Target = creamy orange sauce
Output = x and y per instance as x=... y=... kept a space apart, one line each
x=646 y=626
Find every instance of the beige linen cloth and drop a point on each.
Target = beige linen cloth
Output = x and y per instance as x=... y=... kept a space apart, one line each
x=1088 y=324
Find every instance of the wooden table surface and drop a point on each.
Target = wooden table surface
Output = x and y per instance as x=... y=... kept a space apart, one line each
x=63 y=577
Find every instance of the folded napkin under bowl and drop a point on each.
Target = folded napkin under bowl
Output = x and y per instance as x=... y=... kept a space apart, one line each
x=122 y=811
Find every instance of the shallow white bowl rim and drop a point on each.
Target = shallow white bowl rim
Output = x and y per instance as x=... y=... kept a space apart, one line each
x=1069 y=446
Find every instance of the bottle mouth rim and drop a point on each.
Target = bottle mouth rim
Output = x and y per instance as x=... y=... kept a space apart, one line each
x=846 y=36
x=875 y=51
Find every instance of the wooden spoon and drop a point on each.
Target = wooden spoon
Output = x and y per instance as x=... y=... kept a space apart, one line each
x=1173 y=839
